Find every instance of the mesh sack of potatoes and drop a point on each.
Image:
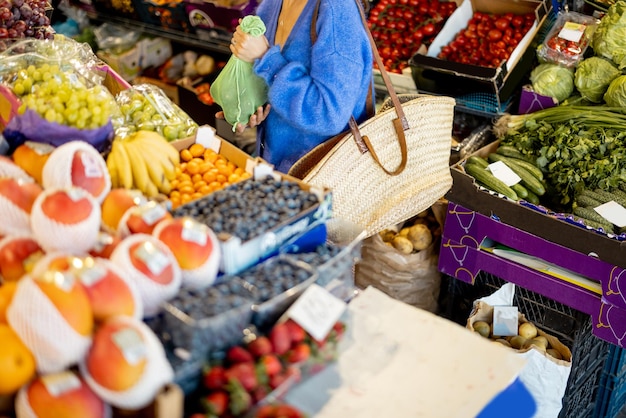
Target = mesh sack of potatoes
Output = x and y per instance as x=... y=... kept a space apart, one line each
x=55 y=342
x=65 y=220
x=126 y=365
x=76 y=163
x=403 y=261
x=151 y=265
x=549 y=361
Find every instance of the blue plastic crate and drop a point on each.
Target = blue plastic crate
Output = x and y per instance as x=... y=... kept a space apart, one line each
x=613 y=387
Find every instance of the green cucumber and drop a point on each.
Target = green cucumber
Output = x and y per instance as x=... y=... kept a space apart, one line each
x=594 y=195
x=475 y=159
x=586 y=201
x=592 y=215
x=512 y=152
x=532 y=198
x=611 y=196
x=529 y=181
x=522 y=192
x=485 y=178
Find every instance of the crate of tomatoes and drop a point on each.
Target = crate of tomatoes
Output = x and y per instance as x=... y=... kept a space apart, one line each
x=484 y=47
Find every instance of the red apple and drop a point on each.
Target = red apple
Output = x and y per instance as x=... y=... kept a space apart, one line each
x=17 y=254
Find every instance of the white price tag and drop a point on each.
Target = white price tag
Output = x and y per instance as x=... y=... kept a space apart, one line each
x=612 y=212
x=152 y=257
x=92 y=168
x=89 y=276
x=59 y=383
x=205 y=136
x=503 y=173
x=195 y=232
x=131 y=345
x=152 y=213
x=505 y=320
x=316 y=310
x=572 y=31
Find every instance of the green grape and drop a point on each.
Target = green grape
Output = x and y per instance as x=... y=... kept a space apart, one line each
x=71 y=117
x=80 y=124
x=31 y=70
x=37 y=76
x=18 y=88
x=50 y=115
x=28 y=85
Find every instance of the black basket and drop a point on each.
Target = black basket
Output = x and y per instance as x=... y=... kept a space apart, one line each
x=597 y=381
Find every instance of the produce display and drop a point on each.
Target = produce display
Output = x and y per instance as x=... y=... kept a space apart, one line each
x=400 y=27
x=200 y=172
x=23 y=19
x=488 y=39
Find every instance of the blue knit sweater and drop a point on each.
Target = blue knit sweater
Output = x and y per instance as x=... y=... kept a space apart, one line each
x=313 y=90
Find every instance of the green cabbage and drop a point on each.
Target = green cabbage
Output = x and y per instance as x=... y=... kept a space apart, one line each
x=615 y=95
x=609 y=38
x=593 y=76
x=552 y=80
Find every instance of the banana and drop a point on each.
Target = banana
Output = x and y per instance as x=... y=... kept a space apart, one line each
x=155 y=155
x=141 y=178
x=160 y=143
x=113 y=169
x=123 y=163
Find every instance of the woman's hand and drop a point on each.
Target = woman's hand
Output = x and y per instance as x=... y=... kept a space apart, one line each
x=246 y=47
x=255 y=119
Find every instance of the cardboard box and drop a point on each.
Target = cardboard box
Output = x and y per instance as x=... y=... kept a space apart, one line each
x=402 y=83
x=446 y=77
x=127 y=64
x=462 y=255
x=537 y=220
x=205 y=16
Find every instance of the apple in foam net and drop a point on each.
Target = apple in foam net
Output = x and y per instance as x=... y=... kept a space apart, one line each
x=61 y=395
x=191 y=242
x=118 y=355
x=16 y=201
x=88 y=172
x=144 y=218
x=116 y=203
x=17 y=254
x=60 y=206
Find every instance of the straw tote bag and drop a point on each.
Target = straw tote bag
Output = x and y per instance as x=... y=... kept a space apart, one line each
x=392 y=166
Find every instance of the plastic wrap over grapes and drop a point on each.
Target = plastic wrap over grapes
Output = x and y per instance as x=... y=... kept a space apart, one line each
x=249 y=208
x=209 y=319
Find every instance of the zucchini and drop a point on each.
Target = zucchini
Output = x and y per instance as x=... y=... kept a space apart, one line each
x=529 y=181
x=522 y=192
x=592 y=215
x=475 y=159
x=485 y=178
x=512 y=152
x=532 y=198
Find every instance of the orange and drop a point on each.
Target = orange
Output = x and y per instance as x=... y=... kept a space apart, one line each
x=197 y=150
x=198 y=184
x=17 y=363
x=210 y=155
x=193 y=167
x=185 y=155
x=6 y=295
x=209 y=177
x=31 y=157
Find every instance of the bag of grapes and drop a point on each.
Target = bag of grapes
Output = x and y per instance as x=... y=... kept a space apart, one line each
x=58 y=93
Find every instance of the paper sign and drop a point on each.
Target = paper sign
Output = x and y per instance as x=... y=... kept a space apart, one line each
x=503 y=173
x=316 y=310
x=205 y=136
x=612 y=212
x=572 y=31
x=505 y=320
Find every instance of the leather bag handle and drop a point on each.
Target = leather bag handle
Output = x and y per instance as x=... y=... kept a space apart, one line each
x=400 y=123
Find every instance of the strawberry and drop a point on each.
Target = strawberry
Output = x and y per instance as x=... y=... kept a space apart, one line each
x=260 y=346
x=287 y=411
x=238 y=354
x=299 y=353
x=339 y=328
x=244 y=373
x=279 y=336
x=215 y=403
x=240 y=399
x=296 y=332
x=265 y=411
x=271 y=364
x=214 y=378
x=259 y=394
x=277 y=380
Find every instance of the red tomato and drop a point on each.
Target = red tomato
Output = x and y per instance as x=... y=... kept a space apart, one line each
x=517 y=21
x=501 y=24
x=494 y=35
x=428 y=29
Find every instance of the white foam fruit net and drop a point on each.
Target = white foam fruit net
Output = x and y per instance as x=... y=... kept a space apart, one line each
x=157 y=372
x=157 y=257
x=53 y=342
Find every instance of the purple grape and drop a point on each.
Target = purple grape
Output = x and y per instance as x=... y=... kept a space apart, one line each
x=26 y=12
x=18 y=3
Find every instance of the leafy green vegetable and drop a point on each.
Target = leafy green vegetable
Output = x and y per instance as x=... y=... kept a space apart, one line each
x=593 y=76
x=609 y=38
x=552 y=80
x=616 y=92
x=576 y=147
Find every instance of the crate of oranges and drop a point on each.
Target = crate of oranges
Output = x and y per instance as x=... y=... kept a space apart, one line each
x=207 y=163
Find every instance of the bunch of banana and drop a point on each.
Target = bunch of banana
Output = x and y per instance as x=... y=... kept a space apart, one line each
x=144 y=160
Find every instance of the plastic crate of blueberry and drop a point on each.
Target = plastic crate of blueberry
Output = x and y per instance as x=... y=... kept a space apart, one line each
x=254 y=217
x=202 y=320
x=277 y=282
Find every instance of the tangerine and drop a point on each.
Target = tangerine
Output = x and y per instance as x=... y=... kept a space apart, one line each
x=17 y=363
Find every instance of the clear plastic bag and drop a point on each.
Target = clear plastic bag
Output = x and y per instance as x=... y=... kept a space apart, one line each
x=237 y=89
x=146 y=107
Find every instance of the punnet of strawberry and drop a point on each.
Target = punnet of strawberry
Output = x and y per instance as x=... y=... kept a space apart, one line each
x=246 y=374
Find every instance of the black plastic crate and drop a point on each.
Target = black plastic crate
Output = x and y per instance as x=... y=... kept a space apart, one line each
x=597 y=381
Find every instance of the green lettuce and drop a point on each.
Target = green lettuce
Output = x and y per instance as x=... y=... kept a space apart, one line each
x=593 y=76
x=552 y=80
x=609 y=38
x=615 y=95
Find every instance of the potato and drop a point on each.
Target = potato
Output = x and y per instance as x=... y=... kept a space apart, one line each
x=534 y=343
x=387 y=235
x=517 y=341
x=482 y=328
x=402 y=244
x=527 y=330
x=503 y=342
x=420 y=237
x=404 y=231
x=540 y=339
x=555 y=353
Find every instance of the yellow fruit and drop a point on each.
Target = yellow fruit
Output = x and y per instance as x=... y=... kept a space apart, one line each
x=17 y=364
x=196 y=150
x=6 y=295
